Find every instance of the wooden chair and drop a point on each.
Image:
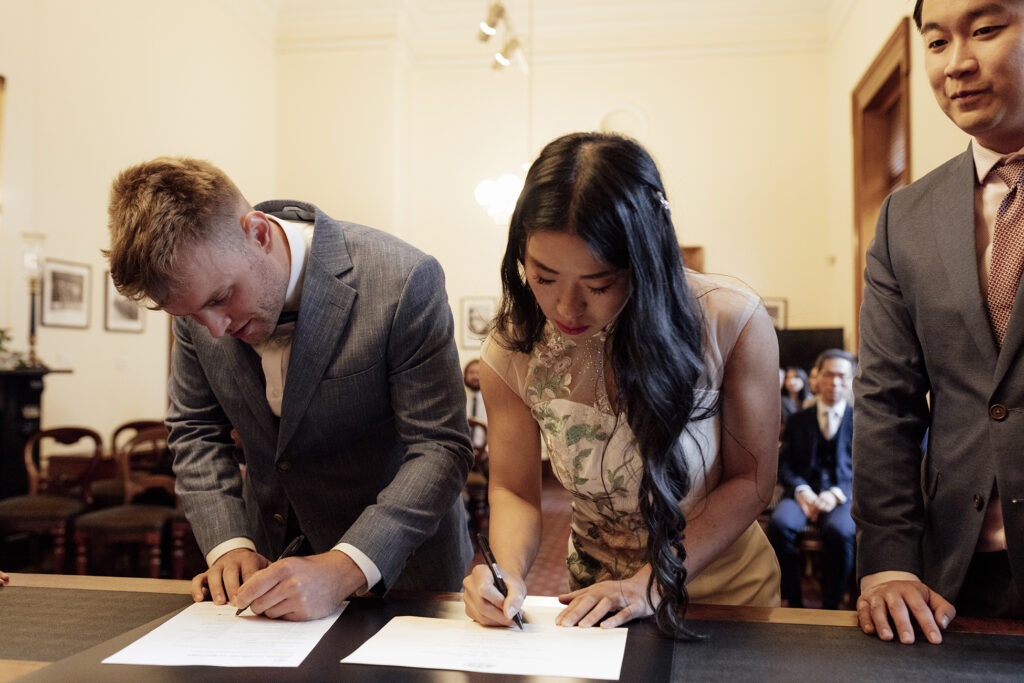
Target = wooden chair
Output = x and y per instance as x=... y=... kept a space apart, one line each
x=144 y=467
x=475 y=492
x=50 y=505
x=109 y=490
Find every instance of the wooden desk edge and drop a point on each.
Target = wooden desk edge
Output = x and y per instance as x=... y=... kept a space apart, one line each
x=101 y=583
x=774 y=615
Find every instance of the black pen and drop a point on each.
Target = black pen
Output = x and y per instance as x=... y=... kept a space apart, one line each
x=485 y=548
x=287 y=552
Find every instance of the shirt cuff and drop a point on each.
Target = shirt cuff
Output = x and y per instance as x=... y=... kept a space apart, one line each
x=869 y=581
x=226 y=547
x=838 y=493
x=802 y=487
x=364 y=563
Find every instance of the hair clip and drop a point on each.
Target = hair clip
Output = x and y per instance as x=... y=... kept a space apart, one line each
x=664 y=202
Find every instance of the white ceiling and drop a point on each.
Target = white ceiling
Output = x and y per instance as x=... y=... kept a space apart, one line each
x=447 y=28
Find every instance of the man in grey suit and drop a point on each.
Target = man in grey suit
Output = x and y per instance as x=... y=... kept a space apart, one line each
x=329 y=349
x=941 y=342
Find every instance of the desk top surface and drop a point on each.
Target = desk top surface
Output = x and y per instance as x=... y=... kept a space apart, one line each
x=740 y=642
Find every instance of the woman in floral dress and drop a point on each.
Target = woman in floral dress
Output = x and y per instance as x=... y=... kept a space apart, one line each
x=654 y=391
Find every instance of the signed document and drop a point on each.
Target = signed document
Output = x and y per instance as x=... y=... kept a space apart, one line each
x=206 y=634
x=541 y=649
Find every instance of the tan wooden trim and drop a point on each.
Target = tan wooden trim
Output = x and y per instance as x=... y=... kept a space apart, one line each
x=101 y=583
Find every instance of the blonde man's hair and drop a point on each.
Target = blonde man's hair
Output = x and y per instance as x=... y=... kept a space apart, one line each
x=159 y=210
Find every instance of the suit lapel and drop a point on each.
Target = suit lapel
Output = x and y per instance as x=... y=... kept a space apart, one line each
x=953 y=219
x=1014 y=337
x=323 y=315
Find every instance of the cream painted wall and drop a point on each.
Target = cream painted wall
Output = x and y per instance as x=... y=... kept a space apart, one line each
x=94 y=87
x=860 y=29
x=733 y=147
x=754 y=146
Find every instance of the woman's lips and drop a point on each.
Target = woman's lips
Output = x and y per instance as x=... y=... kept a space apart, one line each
x=572 y=330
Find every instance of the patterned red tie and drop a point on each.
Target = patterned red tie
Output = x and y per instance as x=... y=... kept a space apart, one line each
x=1007 y=249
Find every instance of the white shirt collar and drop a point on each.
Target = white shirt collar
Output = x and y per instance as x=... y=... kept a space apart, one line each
x=837 y=409
x=985 y=159
x=295 y=233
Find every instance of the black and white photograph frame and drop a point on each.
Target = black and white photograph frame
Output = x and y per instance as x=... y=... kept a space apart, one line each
x=121 y=314
x=476 y=316
x=777 y=310
x=67 y=291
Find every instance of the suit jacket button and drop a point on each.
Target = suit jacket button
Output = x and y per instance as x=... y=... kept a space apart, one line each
x=979 y=502
x=997 y=411
x=284 y=466
x=279 y=518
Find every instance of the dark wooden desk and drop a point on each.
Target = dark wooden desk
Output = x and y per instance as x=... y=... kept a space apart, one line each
x=742 y=643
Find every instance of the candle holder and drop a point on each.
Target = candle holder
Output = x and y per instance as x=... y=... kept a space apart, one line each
x=33 y=262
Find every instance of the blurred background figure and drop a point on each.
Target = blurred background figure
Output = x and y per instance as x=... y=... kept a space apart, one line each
x=795 y=391
x=474 y=401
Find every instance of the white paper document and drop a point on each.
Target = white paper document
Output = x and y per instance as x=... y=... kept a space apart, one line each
x=211 y=635
x=541 y=649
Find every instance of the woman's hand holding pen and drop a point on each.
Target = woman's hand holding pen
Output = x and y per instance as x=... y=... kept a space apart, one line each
x=485 y=603
x=625 y=600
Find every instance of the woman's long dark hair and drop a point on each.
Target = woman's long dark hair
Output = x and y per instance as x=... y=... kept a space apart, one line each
x=606 y=190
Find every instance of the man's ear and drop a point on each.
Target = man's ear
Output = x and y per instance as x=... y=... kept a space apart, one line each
x=258 y=227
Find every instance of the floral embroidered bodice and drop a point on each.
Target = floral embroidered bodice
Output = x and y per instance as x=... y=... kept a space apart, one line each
x=563 y=383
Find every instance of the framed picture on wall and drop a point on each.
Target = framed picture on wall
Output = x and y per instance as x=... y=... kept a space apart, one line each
x=121 y=314
x=476 y=315
x=776 y=307
x=66 y=292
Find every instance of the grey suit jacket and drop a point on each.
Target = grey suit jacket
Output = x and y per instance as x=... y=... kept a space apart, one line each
x=923 y=329
x=372 y=445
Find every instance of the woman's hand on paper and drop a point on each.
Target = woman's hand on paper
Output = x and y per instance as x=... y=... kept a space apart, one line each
x=485 y=603
x=609 y=603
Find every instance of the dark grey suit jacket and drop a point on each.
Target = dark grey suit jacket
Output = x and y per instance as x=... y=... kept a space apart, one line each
x=372 y=445
x=924 y=329
x=799 y=463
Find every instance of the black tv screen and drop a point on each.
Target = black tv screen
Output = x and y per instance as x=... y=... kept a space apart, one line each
x=801 y=347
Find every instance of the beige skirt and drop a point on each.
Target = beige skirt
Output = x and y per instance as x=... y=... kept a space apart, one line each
x=747 y=573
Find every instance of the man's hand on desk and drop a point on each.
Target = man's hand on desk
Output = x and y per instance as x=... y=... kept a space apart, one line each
x=4 y=579
x=302 y=588
x=900 y=595
x=221 y=581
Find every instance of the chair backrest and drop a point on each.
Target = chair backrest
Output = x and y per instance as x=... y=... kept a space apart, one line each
x=144 y=462
x=128 y=430
x=38 y=481
x=478 y=435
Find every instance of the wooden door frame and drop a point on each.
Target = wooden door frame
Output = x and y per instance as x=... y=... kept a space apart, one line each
x=885 y=83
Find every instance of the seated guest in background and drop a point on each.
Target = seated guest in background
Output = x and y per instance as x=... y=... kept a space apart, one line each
x=655 y=391
x=794 y=391
x=817 y=472
x=328 y=346
x=474 y=401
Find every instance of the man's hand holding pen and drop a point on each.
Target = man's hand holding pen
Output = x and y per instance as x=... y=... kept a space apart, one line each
x=302 y=588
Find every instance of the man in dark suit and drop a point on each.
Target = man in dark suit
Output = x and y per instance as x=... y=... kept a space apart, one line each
x=816 y=473
x=328 y=346
x=941 y=336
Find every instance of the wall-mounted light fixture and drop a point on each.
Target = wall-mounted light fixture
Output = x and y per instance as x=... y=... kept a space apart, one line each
x=489 y=26
x=508 y=52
